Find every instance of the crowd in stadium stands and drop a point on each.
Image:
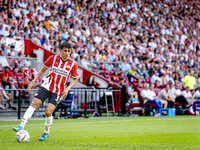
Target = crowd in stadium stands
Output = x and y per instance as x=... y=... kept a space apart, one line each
x=149 y=41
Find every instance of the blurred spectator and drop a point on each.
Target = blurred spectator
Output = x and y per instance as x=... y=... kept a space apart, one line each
x=190 y=80
x=110 y=86
x=15 y=74
x=132 y=94
x=115 y=77
x=3 y=48
x=126 y=67
x=164 y=103
x=149 y=98
x=20 y=61
x=165 y=95
x=94 y=83
x=155 y=77
x=132 y=74
x=139 y=83
x=27 y=62
x=25 y=82
x=5 y=77
x=47 y=45
x=3 y=60
x=102 y=56
x=21 y=74
x=196 y=95
x=30 y=15
x=8 y=98
x=170 y=78
x=12 y=51
x=112 y=56
x=187 y=94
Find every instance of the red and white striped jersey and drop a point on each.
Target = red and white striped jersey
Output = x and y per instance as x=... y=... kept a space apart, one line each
x=59 y=73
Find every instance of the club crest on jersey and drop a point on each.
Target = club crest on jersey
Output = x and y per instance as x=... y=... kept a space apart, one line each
x=60 y=71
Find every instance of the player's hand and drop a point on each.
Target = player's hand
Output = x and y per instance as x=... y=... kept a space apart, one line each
x=64 y=94
x=30 y=86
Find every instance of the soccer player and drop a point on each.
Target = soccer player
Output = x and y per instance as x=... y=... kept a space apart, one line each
x=53 y=87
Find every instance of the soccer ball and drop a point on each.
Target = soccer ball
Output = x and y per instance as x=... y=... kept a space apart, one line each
x=22 y=136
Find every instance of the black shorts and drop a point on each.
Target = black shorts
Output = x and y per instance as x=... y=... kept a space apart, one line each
x=42 y=94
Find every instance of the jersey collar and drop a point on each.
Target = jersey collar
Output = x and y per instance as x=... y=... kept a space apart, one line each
x=63 y=60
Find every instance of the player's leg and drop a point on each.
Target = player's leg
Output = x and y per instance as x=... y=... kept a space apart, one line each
x=164 y=103
x=54 y=100
x=28 y=114
x=48 y=121
x=40 y=96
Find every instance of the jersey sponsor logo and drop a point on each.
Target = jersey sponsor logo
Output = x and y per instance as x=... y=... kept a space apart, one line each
x=60 y=71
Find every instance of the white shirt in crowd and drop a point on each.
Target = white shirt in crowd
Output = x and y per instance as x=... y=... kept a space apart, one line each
x=147 y=93
x=47 y=13
x=187 y=94
x=178 y=92
x=163 y=93
x=17 y=12
x=196 y=94
x=170 y=79
x=22 y=5
x=27 y=63
x=3 y=61
x=54 y=25
x=154 y=78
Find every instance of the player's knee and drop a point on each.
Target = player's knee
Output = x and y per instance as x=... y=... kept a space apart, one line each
x=48 y=113
x=35 y=103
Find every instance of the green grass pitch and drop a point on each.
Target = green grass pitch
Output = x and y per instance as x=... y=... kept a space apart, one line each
x=180 y=132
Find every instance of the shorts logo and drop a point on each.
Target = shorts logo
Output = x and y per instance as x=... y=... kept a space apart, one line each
x=36 y=94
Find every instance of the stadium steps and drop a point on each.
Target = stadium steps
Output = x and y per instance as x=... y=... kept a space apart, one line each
x=9 y=113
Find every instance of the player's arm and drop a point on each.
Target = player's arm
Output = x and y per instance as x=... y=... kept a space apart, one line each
x=47 y=64
x=65 y=92
x=40 y=73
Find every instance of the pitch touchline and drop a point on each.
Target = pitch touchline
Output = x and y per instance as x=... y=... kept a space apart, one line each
x=101 y=121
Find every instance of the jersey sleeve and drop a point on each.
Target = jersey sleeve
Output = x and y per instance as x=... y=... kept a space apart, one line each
x=49 y=61
x=75 y=71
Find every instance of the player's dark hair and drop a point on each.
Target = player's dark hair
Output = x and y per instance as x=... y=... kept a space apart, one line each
x=65 y=45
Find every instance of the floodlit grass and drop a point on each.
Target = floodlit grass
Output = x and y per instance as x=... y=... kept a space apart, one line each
x=180 y=132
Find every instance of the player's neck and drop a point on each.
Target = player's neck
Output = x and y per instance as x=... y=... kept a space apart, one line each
x=64 y=58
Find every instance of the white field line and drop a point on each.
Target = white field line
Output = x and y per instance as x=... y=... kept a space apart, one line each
x=105 y=121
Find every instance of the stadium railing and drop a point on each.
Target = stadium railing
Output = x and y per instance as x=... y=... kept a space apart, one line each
x=87 y=100
x=90 y=100
x=102 y=65
x=19 y=99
